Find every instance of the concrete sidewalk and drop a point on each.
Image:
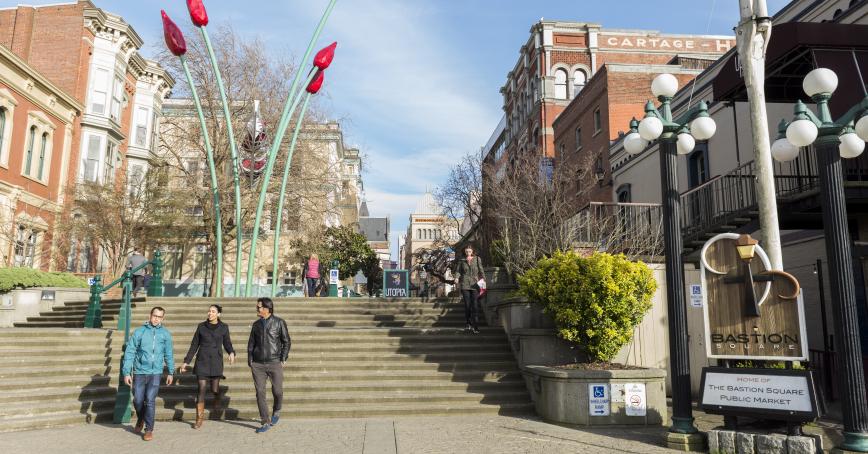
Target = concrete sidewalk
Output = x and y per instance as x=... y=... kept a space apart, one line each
x=482 y=434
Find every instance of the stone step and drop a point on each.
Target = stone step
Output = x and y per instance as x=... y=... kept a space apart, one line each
x=75 y=382
x=103 y=415
x=24 y=357
x=168 y=406
x=312 y=323
x=187 y=385
x=88 y=335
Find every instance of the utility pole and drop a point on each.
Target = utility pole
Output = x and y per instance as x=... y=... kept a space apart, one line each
x=752 y=38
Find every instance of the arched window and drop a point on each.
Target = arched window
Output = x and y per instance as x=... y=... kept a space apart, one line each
x=42 y=152
x=419 y=233
x=579 y=80
x=561 y=84
x=28 y=157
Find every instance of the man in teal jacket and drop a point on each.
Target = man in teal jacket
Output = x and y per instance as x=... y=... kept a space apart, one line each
x=147 y=350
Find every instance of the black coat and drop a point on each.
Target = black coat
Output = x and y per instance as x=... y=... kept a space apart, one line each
x=206 y=345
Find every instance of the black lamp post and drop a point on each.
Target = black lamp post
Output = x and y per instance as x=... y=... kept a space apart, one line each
x=675 y=136
x=833 y=140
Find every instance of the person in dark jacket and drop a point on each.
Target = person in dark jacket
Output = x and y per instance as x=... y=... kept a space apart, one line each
x=267 y=350
x=469 y=272
x=209 y=340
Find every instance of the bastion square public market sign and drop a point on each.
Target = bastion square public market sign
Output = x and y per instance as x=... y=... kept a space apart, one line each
x=753 y=313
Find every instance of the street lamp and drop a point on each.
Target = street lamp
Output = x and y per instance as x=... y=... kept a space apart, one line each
x=676 y=136
x=834 y=140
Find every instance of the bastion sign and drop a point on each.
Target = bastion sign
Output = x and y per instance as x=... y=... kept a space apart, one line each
x=753 y=313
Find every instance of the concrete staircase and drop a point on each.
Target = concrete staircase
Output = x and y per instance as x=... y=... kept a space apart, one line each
x=350 y=358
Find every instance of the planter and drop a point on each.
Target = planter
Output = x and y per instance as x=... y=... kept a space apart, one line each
x=519 y=313
x=542 y=347
x=562 y=396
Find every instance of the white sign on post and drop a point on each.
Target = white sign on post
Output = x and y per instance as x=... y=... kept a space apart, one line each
x=751 y=390
x=598 y=399
x=333 y=277
x=635 y=401
x=696 y=295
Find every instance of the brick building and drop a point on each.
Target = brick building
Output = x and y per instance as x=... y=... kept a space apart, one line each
x=93 y=56
x=558 y=61
x=36 y=137
x=599 y=114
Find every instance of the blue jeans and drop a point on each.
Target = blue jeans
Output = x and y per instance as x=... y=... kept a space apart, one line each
x=145 y=388
x=311 y=285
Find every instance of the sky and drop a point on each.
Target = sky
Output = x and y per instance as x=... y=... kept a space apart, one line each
x=416 y=83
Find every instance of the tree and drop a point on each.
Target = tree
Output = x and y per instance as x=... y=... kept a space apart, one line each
x=343 y=244
x=250 y=73
x=115 y=217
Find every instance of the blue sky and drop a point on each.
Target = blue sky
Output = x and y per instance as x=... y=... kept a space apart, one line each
x=416 y=82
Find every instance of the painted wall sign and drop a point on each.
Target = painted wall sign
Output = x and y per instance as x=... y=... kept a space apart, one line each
x=785 y=394
x=750 y=312
x=665 y=43
x=396 y=284
x=598 y=399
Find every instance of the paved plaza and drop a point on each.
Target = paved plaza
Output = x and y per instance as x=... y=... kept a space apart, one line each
x=473 y=434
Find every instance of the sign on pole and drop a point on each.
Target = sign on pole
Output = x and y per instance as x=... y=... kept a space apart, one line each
x=396 y=284
x=635 y=400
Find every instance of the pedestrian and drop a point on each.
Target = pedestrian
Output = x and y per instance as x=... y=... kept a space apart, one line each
x=469 y=273
x=209 y=340
x=311 y=273
x=267 y=350
x=135 y=260
x=147 y=351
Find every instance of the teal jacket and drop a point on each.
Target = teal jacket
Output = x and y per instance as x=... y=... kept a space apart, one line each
x=148 y=348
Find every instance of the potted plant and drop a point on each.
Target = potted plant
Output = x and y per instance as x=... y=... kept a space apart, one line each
x=596 y=301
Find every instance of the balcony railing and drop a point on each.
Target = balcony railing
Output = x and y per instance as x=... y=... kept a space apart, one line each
x=634 y=229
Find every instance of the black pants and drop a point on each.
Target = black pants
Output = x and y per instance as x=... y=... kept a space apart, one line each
x=138 y=283
x=471 y=310
x=261 y=372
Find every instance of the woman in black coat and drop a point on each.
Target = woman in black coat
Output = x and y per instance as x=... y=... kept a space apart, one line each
x=209 y=340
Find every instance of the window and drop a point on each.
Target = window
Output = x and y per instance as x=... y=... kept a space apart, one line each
x=697 y=165
x=290 y=278
x=155 y=125
x=579 y=80
x=172 y=261
x=201 y=263
x=109 y=166
x=598 y=121
x=25 y=246
x=2 y=129
x=117 y=99
x=42 y=152
x=578 y=138
x=28 y=155
x=561 y=84
x=91 y=162
x=99 y=93
x=624 y=195
x=141 y=127
x=137 y=175
x=193 y=173
x=269 y=278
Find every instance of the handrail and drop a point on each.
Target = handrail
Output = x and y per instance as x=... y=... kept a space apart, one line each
x=93 y=318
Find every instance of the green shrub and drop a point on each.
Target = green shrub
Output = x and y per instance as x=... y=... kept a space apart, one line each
x=16 y=278
x=595 y=301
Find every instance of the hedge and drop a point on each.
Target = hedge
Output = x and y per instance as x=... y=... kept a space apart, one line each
x=18 y=278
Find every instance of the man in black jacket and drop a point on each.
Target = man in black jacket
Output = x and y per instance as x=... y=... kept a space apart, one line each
x=267 y=351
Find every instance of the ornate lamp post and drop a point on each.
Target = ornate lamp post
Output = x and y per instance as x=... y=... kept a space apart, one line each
x=832 y=141
x=675 y=136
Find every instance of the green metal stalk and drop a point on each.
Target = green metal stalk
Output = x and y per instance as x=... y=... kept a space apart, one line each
x=234 y=153
x=275 y=146
x=209 y=152
x=282 y=196
x=266 y=179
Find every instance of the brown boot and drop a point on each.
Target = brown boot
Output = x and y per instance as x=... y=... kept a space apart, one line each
x=148 y=436
x=215 y=405
x=140 y=425
x=200 y=415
